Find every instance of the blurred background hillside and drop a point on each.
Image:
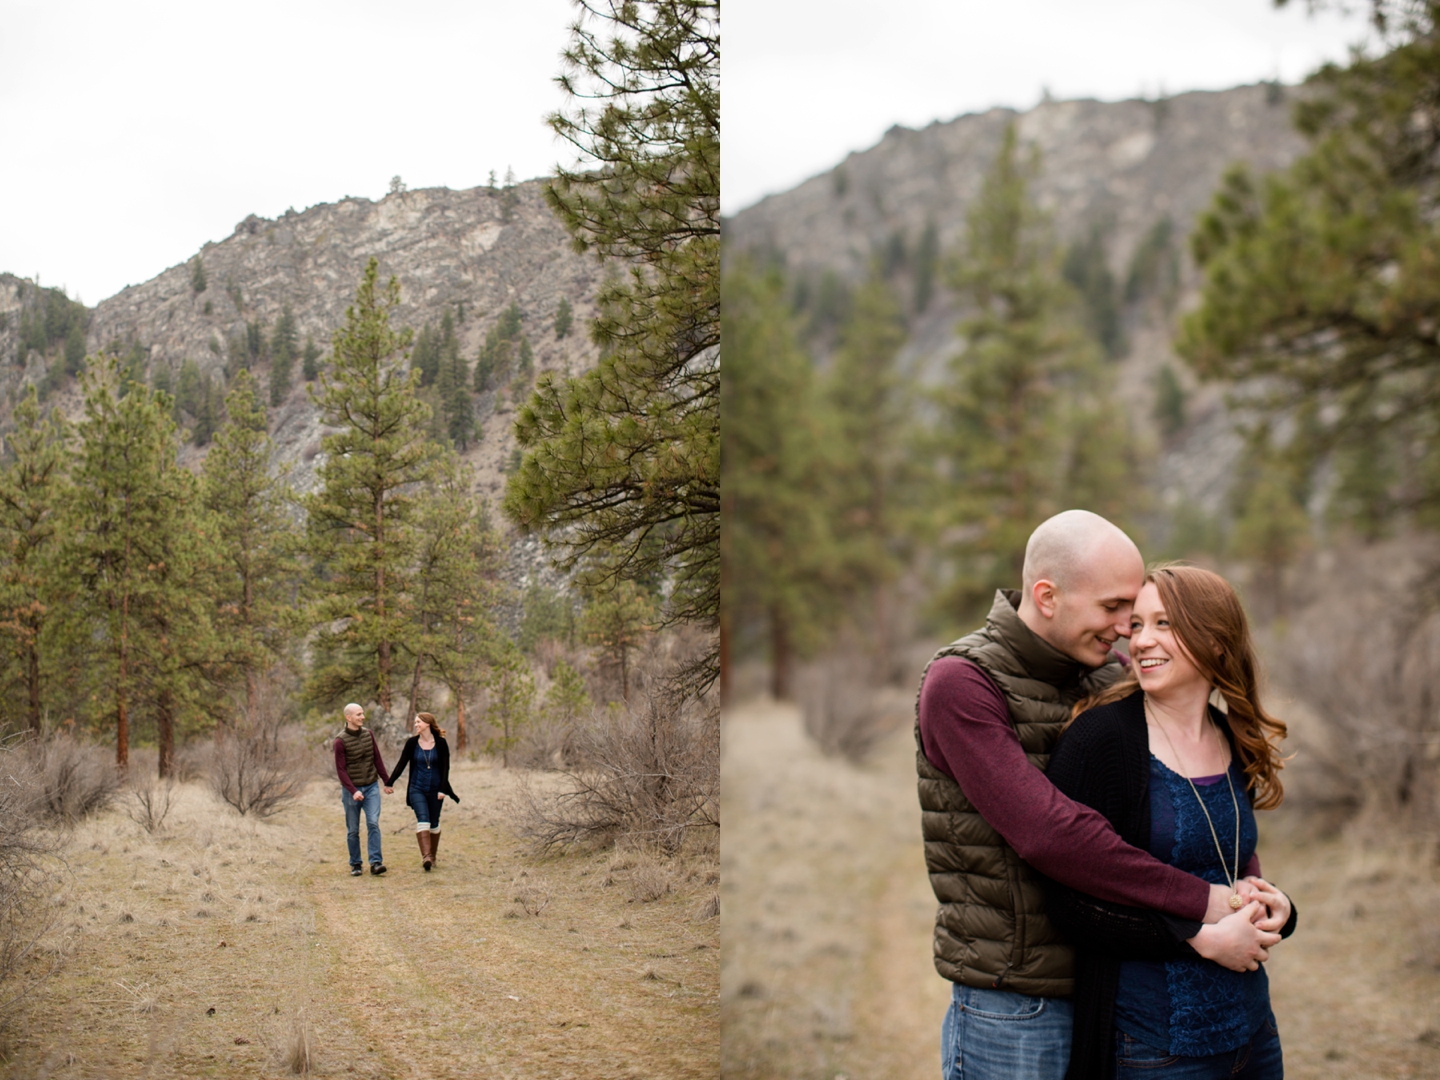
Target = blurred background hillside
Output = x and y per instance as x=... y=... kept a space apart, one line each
x=1211 y=316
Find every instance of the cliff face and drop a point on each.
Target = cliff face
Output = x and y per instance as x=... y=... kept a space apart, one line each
x=1119 y=168
x=479 y=250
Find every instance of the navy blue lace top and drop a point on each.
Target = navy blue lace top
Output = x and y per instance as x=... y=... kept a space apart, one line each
x=1194 y=1007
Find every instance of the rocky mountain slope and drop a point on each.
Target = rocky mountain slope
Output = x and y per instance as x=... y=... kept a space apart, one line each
x=472 y=253
x=1112 y=170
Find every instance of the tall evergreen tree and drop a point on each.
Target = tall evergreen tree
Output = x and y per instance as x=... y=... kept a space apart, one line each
x=1018 y=393
x=778 y=546
x=254 y=541
x=360 y=524
x=632 y=447
x=564 y=317
x=125 y=523
x=1320 y=280
x=284 y=341
x=310 y=366
x=32 y=493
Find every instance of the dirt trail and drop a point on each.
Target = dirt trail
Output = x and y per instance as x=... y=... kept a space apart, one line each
x=405 y=975
x=826 y=958
x=826 y=966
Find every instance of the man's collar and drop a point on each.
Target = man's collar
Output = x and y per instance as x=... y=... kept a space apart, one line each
x=1042 y=661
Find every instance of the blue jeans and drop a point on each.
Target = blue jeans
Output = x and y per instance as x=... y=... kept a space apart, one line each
x=999 y=1035
x=372 y=822
x=426 y=805
x=1259 y=1059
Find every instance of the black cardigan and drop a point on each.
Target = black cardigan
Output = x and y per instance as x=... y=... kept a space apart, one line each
x=442 y=765
x=1103 y=761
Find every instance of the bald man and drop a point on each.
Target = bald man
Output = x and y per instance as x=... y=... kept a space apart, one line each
x=361 y=769
x=991 y=706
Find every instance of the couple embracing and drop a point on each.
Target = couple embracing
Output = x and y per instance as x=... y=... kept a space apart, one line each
x=362 y=770
x=1089 y=823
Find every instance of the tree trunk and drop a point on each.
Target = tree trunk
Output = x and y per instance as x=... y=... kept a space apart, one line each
x=780 y=655
x=414 y=696
x=33 y=679
x=165 y=721
x=122 y=717
x=459 y=723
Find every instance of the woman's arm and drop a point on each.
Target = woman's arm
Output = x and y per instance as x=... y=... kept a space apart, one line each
x=405 y=755
x=443 y=760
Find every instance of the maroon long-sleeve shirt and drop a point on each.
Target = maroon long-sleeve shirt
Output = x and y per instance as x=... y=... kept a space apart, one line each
x=966 y=733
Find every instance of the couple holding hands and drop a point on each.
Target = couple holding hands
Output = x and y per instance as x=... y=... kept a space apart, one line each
x=361 y=771
x=1089 y=823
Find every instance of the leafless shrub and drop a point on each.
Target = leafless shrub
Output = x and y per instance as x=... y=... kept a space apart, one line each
x=531 y=893
x=149 y=804
x=846 y=705
x=649 y=770
x=259 y=765
x=1364 y=657
x=75 y=779
x=28 y=848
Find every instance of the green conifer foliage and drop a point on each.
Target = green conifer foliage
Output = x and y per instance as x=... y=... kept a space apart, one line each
x=456 y=405
x=128 y=558
x=616 y=622
x=566 y=699
x=1321 y=285
x=564 y=317
x=197 y=274
x=284 y=341
x=74 y=350
x=254 y=542
x=360 y=523
x=425 y=359
x=778 y=546
x=632 y=447
x=1025 y=385
x=32 y=494
x=1087 y=268
x=510 y=688
x=927 y=259
x=456 y=564
x=310 y=366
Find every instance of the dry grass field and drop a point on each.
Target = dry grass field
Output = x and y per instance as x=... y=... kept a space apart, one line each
x=224 y=947
x=825 y=967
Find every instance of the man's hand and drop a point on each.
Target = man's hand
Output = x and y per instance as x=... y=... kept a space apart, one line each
x=1219 y=906
x=1276 y=903
x=1236 y=942
x=389 y=790
x=359 y=796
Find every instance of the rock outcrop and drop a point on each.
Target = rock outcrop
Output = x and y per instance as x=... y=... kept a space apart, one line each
x=1117 y=167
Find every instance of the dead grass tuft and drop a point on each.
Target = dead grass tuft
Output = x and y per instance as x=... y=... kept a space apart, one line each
x=649 y=881
x=710 y=909
x=300 y=1050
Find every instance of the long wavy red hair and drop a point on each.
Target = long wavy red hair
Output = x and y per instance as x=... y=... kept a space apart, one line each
x=1211 y=627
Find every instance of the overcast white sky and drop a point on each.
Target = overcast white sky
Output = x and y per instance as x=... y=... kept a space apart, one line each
x=136 y=130
x=808 y=81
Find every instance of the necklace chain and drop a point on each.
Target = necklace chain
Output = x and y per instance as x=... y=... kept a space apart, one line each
x=1230 y=880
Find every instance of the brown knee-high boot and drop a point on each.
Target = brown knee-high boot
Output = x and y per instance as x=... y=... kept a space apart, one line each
x=426 y=848
x=434 y=845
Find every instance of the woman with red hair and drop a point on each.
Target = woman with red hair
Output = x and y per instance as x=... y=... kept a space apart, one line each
x=1156 y=995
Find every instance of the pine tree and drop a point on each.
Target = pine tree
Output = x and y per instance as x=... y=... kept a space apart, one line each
x=74 y=350
x=510 y=688
x=425 y=359
x=197 y=275
x=32 y=494
x=125 y=551
x=1320 y=284
x=284 y=340
x=617 y=622
x=563 y=317
x=310 y=367
x=1025 y=382
x=871 y=469
x=360 y=524
x=778 y=546
x=456 y=566
x=456 y=405
x=254 y=541
x=632 y=447
x=566 y=699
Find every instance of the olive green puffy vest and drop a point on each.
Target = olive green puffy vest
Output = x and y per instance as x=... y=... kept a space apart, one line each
x=991 y=930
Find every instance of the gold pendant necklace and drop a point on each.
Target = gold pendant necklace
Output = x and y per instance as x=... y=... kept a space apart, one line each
x=1231 y=880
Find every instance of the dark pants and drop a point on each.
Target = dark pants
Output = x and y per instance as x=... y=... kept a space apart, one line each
x=1259 y=1059
x=426 y=805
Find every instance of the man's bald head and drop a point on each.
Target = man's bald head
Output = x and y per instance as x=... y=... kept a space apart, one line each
x=354 y=715
x=1080 y=578
x=1069 y=547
